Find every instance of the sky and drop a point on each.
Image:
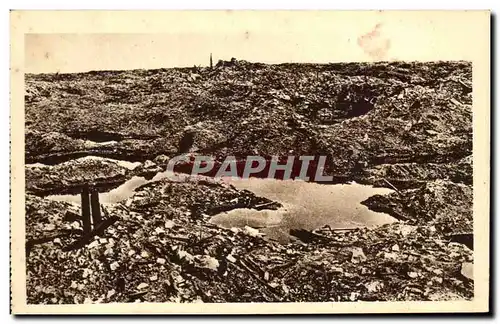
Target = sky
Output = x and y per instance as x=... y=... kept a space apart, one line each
x=186 y=39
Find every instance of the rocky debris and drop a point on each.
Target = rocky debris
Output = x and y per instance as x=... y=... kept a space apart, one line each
x=445 y=205
x=166 y=255
x=357 y=255
x=71 y=176
x=41 y=144
x=54 y=148
x=360 y=115
x=198 y=196
x=404 y=124
x=162 y=249
x=467 y=270
x=397 y=132
x=148 y=169
x=412 y=175
x=103 y=174
x=49 y=221
x=162 y=160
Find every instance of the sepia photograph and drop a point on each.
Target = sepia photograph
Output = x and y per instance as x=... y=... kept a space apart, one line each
x=228 y=164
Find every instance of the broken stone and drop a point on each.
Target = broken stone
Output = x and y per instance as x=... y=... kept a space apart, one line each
x=115 y=265
x=208 y=262
x=142 y=286
x=305 y=265
x=337 y=269
x=374 y=286
x=169 y=224
x=185 y=255
x=439 y=280
x=404 y=230
x=149 y=164
x=431 y=132
x=390 y=256
x=86 y=273
x=251 y=231
x=358 y=255
x=412 y=274
x=75 y=225
x=161 y=159
x=467 y=270
x=93 y=244
x=49 y=227
x=110 y=293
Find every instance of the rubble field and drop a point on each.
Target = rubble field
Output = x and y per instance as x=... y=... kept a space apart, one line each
x=405 y=126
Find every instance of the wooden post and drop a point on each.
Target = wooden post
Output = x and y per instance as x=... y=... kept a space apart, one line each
x=86 y=210
x=96 y=208
x=211 y=62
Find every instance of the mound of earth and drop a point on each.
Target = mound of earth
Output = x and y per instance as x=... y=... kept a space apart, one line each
x=405 y=126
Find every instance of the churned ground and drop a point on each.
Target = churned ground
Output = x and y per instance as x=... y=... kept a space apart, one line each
x=407 y=125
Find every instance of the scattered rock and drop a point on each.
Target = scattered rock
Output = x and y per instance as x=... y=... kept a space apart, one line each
x=374 y=286
x=412 y=274
x=252 y=231
x=142 y=285
x=358 y=255
x=208 y=262
x=467 y=270
x=115 y=265
x=149 y=164
x=354 y=112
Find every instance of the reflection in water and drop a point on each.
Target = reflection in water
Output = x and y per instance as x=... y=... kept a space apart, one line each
x=306 y=205
x=126 y=190
x=123 y=192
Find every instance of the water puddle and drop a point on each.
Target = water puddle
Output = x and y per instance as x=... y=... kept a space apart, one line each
x=306 y=205
x=122 y=192
x=94 y=144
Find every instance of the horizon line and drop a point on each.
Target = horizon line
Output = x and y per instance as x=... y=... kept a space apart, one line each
x=251 y=62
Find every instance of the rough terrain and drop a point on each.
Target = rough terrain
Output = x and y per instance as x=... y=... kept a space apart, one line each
x=407 y=125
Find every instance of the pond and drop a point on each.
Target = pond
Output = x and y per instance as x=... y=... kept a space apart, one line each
x=122 y=192
x=306 y=205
